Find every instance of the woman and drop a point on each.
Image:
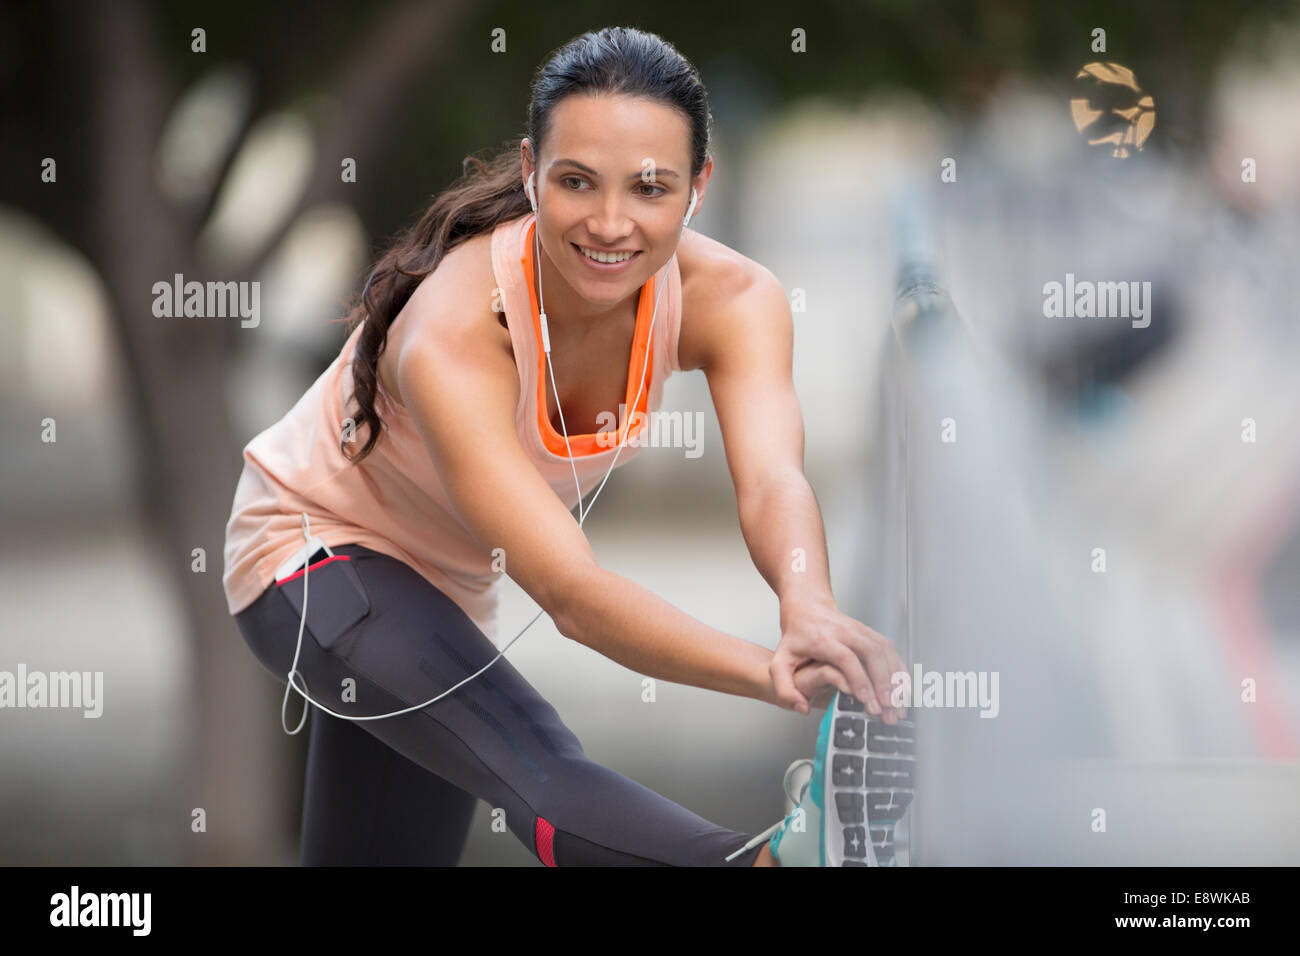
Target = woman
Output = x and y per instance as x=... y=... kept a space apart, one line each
x=468 y=466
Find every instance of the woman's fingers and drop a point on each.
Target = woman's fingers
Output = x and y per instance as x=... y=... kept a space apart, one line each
x=846 y=658
x=781 y=670
x=882 y=663
x=875 y=695
x=842 y=683
x=864 y=659
x=829 y=674
x=819 y=682
x=812 y=675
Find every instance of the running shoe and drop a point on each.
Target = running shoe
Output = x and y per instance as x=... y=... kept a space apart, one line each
x=860 y=788
x=795 y=783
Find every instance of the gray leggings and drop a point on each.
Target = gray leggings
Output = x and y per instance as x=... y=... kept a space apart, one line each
x=401 y=790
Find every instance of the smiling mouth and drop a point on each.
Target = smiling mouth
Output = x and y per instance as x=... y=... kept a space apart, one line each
x=605 y=258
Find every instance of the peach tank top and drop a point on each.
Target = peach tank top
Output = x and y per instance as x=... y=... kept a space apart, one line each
x=393 y=502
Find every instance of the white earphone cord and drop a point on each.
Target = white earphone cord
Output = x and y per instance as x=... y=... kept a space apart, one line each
x=582 y=514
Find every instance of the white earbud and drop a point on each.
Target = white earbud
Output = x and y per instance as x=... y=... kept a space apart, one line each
x=691 y=208
x=531 y=190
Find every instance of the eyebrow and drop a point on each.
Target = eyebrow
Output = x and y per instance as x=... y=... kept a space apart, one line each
x=591 y=172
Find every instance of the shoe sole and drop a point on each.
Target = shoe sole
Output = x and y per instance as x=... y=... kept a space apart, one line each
x=868 y=785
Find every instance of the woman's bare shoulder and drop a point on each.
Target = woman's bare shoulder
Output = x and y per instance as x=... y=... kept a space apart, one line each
x=464 y=277
x=453 y=309
x=713 y=276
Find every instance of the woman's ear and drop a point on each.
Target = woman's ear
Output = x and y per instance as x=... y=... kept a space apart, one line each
x=701 y=182
x=526 y=161
x=530 y=172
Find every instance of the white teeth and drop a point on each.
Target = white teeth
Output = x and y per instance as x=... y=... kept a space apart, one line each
x=606 y=257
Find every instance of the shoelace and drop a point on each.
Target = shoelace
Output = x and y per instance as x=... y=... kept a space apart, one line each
x=792 y=797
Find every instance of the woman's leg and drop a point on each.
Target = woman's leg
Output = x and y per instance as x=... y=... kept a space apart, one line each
x=365 y=804
x=495 y=737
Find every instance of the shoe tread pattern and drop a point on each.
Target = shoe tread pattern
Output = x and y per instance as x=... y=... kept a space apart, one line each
x=870 y=783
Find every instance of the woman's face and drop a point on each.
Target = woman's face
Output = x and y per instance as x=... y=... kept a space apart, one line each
x=613 y=177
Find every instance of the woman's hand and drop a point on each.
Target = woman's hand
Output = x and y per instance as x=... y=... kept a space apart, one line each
x=845 y=653
x=818 y=683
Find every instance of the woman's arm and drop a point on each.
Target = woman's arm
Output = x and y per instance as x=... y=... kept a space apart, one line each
x=746 y=348
x=644 y=633
x=457 y=379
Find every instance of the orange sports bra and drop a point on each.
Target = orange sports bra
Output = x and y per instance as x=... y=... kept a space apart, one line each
x=640 y=360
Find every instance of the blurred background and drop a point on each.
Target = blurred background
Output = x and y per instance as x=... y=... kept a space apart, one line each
x=1104 y=513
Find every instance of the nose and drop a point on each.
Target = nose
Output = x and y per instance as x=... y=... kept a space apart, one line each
x=608 y=222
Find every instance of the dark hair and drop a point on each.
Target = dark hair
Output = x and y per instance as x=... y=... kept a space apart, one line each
x=615 y=60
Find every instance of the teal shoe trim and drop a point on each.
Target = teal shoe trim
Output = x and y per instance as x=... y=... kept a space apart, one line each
x=819 y=774
x=819 y=755
x=816 y=790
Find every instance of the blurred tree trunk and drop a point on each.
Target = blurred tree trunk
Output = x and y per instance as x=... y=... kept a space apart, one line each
x=243 y=771
x=189 y=458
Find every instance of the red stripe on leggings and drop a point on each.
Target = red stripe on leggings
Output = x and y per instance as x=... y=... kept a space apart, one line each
x=544 y=834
